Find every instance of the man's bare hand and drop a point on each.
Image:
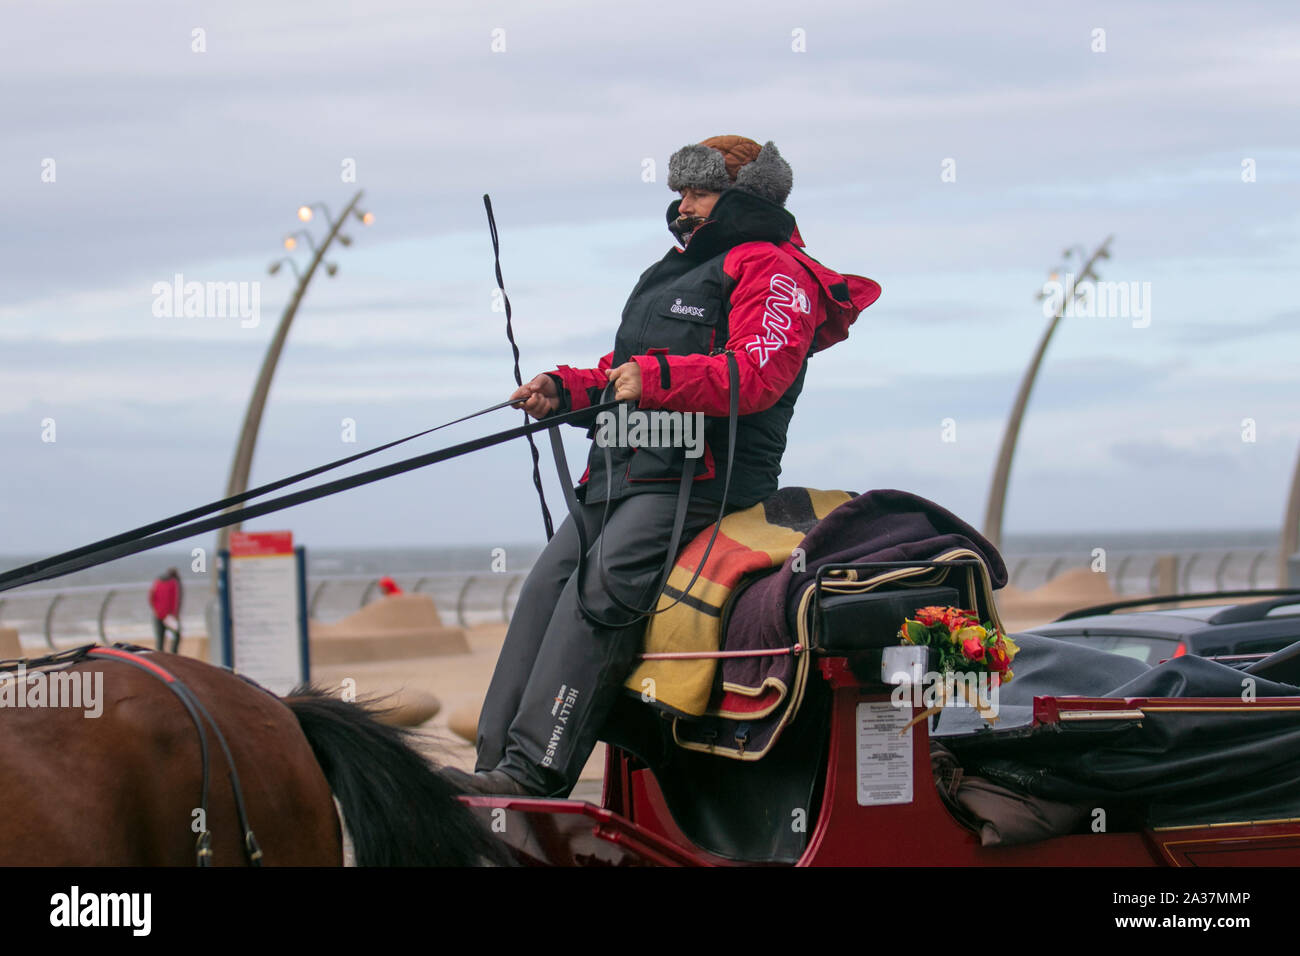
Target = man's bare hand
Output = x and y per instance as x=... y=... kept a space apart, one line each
x=540 y=395
x=627 y=381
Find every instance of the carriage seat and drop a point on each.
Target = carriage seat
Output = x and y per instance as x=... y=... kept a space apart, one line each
x=851 y=623
x=794 y=578
x=803 y=572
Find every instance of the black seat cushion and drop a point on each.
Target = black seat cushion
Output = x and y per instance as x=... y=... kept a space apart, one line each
x=858 y=622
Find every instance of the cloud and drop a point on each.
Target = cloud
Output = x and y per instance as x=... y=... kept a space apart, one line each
x=1236 y=330
x=1156 y=454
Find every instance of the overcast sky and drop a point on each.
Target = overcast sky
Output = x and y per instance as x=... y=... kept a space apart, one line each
x=949 y=151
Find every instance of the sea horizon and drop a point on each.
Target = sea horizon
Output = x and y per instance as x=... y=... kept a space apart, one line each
x=326 y=560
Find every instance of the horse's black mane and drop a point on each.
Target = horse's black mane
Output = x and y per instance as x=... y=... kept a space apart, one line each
x=399 y=810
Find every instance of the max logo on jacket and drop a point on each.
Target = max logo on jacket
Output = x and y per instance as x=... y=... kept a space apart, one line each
x=786 y=296
x=680 y=309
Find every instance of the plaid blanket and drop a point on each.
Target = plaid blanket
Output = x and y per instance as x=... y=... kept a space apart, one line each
x=758 y=695
x=749 y=541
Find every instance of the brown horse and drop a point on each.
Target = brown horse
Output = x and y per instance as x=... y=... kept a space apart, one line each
x=113 y=776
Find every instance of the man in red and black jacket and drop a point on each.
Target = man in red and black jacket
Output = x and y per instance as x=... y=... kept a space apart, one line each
x=740 y=282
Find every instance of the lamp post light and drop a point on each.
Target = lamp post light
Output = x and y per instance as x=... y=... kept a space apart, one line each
x=291 y=240
x=274 y=267
x=1002 y=471
x=308 y=212
x=243 y=460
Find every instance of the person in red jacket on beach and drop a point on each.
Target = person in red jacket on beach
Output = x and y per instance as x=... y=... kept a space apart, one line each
x=165 y=601
x=737 y=287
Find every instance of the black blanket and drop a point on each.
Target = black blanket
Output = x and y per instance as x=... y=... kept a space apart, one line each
x=1168 y=768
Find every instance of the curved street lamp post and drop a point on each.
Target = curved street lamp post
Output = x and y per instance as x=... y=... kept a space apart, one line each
x=1002 y=472
x=243 y=461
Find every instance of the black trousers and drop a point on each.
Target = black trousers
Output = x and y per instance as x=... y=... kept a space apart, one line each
x=160 y=630
x=559 y=674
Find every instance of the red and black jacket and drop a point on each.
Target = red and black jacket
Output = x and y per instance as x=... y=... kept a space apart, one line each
x=743 y=283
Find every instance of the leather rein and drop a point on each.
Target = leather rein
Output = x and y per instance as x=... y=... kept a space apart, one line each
x=128 y=654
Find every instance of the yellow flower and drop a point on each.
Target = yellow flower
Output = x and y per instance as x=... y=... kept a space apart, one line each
x=966 y=633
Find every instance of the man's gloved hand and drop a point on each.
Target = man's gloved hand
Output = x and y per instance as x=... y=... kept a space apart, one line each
x=627 y=381
x=541 y=396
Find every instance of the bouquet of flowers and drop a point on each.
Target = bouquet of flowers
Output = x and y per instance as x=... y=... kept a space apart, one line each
x=960 y=642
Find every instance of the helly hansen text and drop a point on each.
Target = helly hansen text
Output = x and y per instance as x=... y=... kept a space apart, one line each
x=564 y=701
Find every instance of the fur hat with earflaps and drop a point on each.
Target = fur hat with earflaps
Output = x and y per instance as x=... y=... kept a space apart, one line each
x=732 y=162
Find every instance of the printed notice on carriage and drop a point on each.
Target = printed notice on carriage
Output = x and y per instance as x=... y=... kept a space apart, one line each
x=264 y=609
x=884 y=754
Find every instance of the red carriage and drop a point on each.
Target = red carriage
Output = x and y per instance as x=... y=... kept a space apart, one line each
x=849 y=782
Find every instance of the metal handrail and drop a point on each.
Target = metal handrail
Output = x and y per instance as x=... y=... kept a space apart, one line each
x=460 y=600
x=1119 y=573
x=315 y=596
x=1015 y=572
x=1187 y=570
x=1218 y=570
x=103 y=613
x=41 y=607
x=1024 y=570
x=505 y=598
x=49 y=621
x=370 y=589
x=1254 y=566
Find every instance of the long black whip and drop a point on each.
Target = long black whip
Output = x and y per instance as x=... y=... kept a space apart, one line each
x=510 y=334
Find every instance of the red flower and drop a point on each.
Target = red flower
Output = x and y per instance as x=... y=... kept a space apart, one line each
x=998 y=658
x=973 y=648
x=929 y=616
x=953 y=618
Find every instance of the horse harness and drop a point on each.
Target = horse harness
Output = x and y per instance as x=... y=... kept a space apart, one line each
x=130 y=654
